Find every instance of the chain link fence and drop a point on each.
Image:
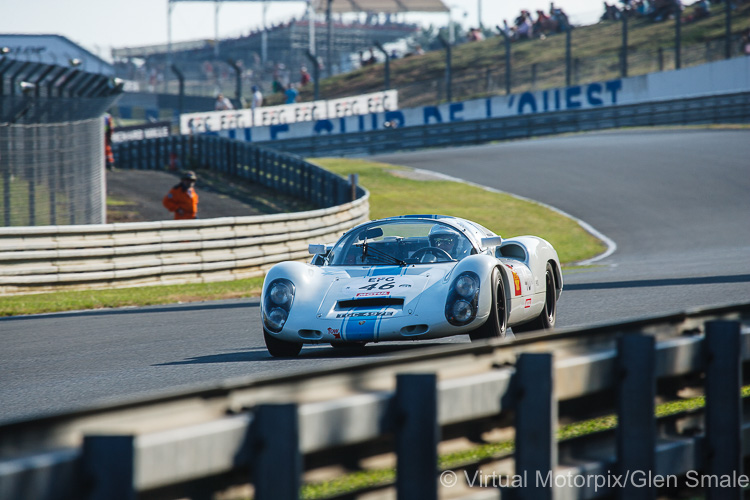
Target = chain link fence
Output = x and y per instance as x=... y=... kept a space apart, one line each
x=52 y=144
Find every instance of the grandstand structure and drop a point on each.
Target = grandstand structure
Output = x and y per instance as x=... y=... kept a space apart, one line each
x=286 y=48
x=273 y=52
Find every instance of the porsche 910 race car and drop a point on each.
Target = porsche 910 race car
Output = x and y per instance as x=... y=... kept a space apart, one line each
x=411 y=277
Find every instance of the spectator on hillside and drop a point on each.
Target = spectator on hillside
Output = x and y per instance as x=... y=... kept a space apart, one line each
x=305 y=77
x=702 y=10
x=223 y=103
x=291 y=94
x=745 y=42
x=257 y=100
x=524 y=26
x=475 y=35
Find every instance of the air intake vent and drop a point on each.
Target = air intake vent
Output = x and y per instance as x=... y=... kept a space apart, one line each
x=371 y=302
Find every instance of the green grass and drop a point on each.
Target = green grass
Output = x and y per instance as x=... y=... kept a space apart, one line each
x=390 y=195
x=123 y=297
x=506 y=215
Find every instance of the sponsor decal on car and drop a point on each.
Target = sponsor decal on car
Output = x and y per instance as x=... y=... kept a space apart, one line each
x=517 y=283
x=373 y=294
x=528 y=304
x=368 y=314
x=335 y=333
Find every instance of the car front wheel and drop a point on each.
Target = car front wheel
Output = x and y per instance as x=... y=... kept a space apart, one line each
x=497 y=323
x=280 y=348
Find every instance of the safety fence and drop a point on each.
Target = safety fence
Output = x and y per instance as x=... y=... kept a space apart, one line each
x=406 y=409
x=55 y=258
x=729 y=108
x=52 y=143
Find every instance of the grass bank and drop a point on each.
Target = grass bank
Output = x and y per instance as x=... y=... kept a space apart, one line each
x=392 y=193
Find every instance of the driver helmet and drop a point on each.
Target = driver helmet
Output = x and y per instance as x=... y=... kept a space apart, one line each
x=444 y=238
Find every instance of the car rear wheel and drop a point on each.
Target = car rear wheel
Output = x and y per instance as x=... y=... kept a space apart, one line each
x=497 y=323
x=281 y=348
x=548 y=316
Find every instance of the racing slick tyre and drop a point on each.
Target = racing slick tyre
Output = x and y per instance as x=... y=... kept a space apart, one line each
x=497 y=323
x=280 y=348
x=548 y=316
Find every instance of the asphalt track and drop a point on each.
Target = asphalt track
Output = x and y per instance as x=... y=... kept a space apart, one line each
x=676 y=204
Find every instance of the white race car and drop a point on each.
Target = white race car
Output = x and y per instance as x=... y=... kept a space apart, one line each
x=411 y=277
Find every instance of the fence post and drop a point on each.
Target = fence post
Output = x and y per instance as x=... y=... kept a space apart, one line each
x=536 y=422
x=677 y=35
x=723 y=350
x=417 y=436
x=448 y=68
x=108 y=465
x=636 y=424
x=387 y=64
x=316 y=72
x=277 y=461
x=624 y=62
x=728 y=29
x=506 y=41
x=353 y=181
x=568 y=55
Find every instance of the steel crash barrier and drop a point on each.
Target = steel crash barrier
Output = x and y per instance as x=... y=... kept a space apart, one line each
x=53 y=258
x=729 y=108
x=273 y=432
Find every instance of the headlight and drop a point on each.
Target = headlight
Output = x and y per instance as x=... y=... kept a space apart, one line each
x=461 y=303
x=466 y=285
x=276 y=318
x=277 y=303
x=280 y=293
x=462 y=311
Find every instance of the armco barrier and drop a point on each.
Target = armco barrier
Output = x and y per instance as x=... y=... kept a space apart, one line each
x=53 y=258
x=282 y=172
x=258 y=431
x=729 y=108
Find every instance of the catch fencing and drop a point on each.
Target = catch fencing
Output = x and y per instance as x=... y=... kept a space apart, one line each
x=729 y=108
x=405 y=408
x=52 y=143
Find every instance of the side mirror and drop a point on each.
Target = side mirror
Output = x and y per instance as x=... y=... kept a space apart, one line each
x=492 y=241
x=316 y=249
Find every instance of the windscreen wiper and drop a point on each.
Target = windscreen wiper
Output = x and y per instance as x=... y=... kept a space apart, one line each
x=380 y=254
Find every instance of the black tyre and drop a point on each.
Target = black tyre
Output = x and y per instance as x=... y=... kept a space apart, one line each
x=281 y=348
x=548 y=316
x=497 y=323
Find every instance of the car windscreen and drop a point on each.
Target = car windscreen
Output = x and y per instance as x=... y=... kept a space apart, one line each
x=400 y=243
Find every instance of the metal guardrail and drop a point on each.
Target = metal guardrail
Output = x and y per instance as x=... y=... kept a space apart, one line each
x=730 y=108
x=280 y=171
x=259 y=431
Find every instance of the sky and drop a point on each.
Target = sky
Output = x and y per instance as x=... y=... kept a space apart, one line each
x=100 y=25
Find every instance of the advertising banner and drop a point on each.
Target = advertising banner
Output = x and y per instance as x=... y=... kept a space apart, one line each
x=216 y=121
